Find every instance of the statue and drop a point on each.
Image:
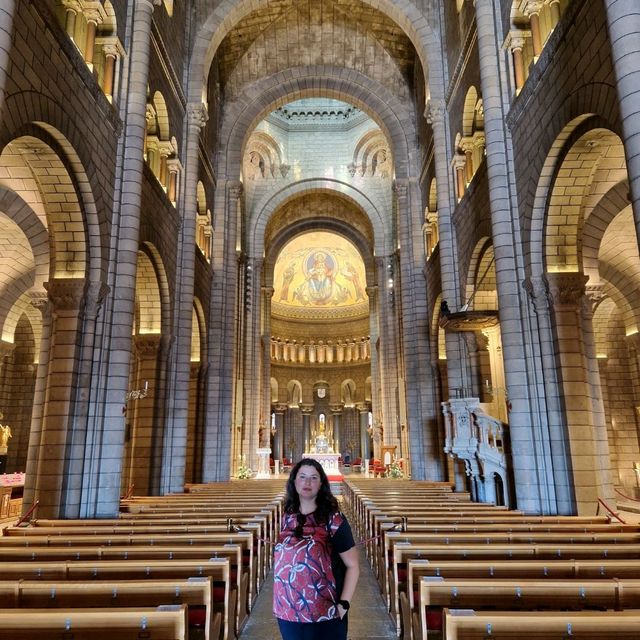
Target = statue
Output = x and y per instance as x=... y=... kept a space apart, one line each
x=5 y=434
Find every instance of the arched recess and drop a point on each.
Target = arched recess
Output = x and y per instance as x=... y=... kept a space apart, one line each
x=469 y=112
x=294 y=393
x=397 y=120
x=195 y=420
x=143 y=445
x=216 y=24
x=257 y=226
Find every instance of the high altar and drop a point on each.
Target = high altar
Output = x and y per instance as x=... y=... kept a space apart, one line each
x=322 y=451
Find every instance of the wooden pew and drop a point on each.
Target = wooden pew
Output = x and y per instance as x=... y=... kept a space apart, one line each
x=117 y=537
x=499 y=625
x=238 y=599
x=196 y=593
x=567 y=570
x=437 y=594
x=218 y=569
x=160 y=623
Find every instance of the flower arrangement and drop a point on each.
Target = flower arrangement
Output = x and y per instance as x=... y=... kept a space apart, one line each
x=244 y=472
x=394 y=470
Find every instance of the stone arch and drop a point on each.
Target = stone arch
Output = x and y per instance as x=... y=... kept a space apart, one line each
x=198 y=330
x=23 y=307
x=217 y=23
x=481 y=289
x=162 y=116
x=469 y=112
x=433 y=196
x=31 y=113
x=152 y=292
x=565 y=215
x=201 y=199
x=608 y=207
x=294 y=393
x=589 y=106
x=348 y=392
x=265 y=210
x=396 y=120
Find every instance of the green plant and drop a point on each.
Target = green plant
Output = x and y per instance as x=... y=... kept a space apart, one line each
x=244 y=472
x=394 y=471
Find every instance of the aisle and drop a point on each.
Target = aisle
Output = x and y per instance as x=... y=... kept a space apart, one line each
x=369 y=619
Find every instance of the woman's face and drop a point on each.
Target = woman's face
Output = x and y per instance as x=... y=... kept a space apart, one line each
x=307 y=482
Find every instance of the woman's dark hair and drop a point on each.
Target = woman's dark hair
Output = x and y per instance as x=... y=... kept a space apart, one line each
x=326 y=503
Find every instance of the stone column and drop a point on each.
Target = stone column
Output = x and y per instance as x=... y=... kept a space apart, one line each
x=306 y=410
x=225 y=309
x=278 y=439
x=365 y=452
x=553 y=460
x=103 y=455
x=336 y=418
x=266 y=294
x=594 y=294
x=506 y=234
x=532 y=9
x=623 y=19
x=435 y=114
x=112 y=51
x=567 y=291
x=175 y=437
x=94 y=17
x=460 y=166
x=40 y=301
x=144 y=441
x=516 y=44
x=66 y=297
x=389 y=374
x=72 y=8
x=7 y=10
x=252 y=357
x=555 y=12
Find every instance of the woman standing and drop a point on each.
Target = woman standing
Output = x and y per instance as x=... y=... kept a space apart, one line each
x=316 y=562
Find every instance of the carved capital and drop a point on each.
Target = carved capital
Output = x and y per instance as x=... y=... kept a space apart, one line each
x=434 y=112
x=39 y=300
x=66 y=294
x=566 y=288
x=197 y=115
x=6 y=349
x=595 y=294
x=147 y=345
x=401 y=189
x=235 y=190
x=95 y=294
x=538 y=291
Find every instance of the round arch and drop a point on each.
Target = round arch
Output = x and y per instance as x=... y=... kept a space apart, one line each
x=396 y=120
x=217 y=23
x=265 y=210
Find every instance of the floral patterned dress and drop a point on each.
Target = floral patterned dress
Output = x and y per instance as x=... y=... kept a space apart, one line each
x=304 y=587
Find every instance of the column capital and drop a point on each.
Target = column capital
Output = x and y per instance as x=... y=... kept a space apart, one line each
x=538 y=290
x=363 y=407
x=95 y=295
x=434 y=111
x=66 y=294
x=566 y=288
x=39 y=300
x=306 y=409
x=595 y=293
x=459 y=161
x=531 y=7
x=72 y=5
x=401 y=189
x=147 y=345
x=197 y=114
x=174 y=165
x=6 y=349
x=280 y=408
x=235 y=189
x=515 y=39
x=336 y=409
x=111 y=46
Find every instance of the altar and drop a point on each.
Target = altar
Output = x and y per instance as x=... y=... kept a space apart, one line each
x=322 y=450
x=329 y=462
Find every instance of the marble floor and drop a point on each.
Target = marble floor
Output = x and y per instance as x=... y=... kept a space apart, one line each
x=368 y=617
